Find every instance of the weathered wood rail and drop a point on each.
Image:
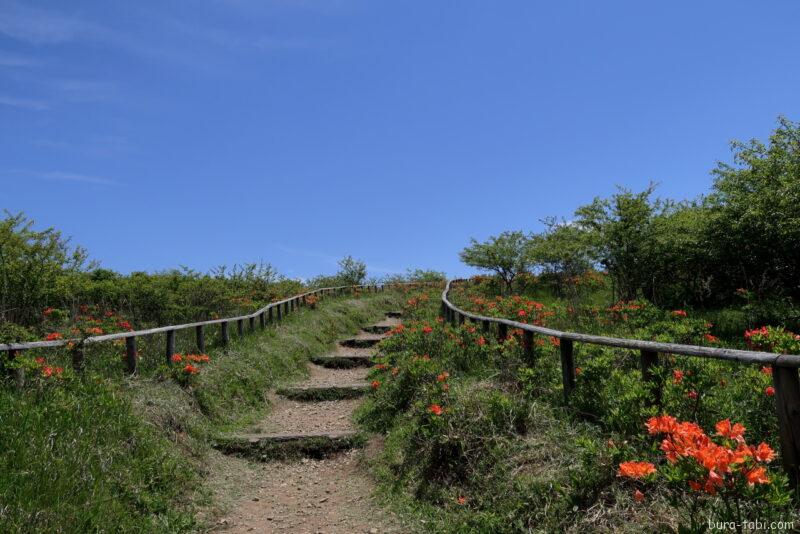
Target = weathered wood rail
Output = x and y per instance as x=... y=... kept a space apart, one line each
x=784 y=367
x=271 y=313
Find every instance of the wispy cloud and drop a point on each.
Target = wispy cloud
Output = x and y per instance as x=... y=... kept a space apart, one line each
x=25 y=103
x=38 y=26
x=75 y=177
x=13 y=60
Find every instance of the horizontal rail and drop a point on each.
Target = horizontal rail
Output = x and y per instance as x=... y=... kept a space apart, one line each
x=785 y=376
x=745 y=356
x=185 y=326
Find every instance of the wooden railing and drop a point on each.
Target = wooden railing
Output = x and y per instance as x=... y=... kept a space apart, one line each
x=271 y=313
x=784 y=367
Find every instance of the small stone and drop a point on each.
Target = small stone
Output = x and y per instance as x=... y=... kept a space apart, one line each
x=255 y=499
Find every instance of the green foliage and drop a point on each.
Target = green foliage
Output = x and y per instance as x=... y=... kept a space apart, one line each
x=505 y=254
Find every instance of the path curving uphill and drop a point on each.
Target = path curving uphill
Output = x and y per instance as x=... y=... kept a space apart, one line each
x=313 y=480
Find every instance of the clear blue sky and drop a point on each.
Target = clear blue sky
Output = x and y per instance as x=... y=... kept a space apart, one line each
x=202 y=132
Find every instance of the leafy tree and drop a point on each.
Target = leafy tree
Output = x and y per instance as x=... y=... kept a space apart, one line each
x=562 y=252
x=352 y=272
x=506 y=255
x=755 y=215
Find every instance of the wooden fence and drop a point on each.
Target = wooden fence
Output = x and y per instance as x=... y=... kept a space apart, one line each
x=784 y=367
x=271 y=313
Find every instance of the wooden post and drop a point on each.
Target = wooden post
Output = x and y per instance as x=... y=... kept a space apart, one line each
x=453 y=317
x=527 y=347
x=286 y=308
x=443 y=310
x=502 y=332
x=131 y=355
x=201 y=338
x=487 y=327
x=461 y=318
x=279 y=316
x=170 y=346
x=240 y=327
x=78 y=357
x=787 y=404
x=252 y=322
x=649 y=359
x=262 y=320
x=19 y=374
x=270 y=319
x=223 y=333
x=567 y=367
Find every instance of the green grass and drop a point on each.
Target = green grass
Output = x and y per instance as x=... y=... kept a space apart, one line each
x=102 y=453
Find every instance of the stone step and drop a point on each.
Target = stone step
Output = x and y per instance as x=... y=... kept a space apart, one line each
x=343 y=361
x=324 y=392
x=378 y=328
x=362 y=341
x=278 y=446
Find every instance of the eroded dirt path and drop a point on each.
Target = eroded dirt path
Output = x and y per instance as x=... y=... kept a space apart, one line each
x=329 y=492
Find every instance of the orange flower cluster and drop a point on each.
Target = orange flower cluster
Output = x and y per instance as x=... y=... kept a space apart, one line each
x=723 y=464
x=435 y=409
x=636 y=469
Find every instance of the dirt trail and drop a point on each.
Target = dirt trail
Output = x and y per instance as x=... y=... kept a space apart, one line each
x=332 y=494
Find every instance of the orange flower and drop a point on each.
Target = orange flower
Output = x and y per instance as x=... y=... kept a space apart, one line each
x=767 y=370
x=763 y=453
x=176 y=358
x=461 y=500
x=734 y=432
x=381 y=367
x=375 y=384
x=692 y=394
x=395 y=370
x=54 y=336
x=191 y=369
x=638 y=496
x=481 y=341
x=677 y=376
x=427 y=329
x=578 y=371
x=757 y=475
x=435 y=409
x=636 y=469
x=443 y=376
x=769 y=391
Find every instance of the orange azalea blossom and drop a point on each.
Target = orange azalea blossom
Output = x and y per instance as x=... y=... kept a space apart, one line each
x=461 y=500
x=443 y=376
x=427 y=329
x=578 y=371
x=375 y=384
x=638 y=496
x=757 y=475
x=176 y=358
x=481 y=341
x=53 y=336
x=769 y=391
x=395 y=371
x=381 y=367
x=636 y=469
x=692 y=394
x=191 y=369
x=435 y=409
x=767 y=370
x=730 y=431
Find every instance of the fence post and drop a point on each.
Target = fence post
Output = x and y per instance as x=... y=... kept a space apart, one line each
x=270 y=319
x=19 y=374
x=787 y=404
x=252 y=322
x=262 y=320
x=453 y=317
x=527 y=347
x=461 y=318
x=240 y=327
x=77 y=357
x=502 y=332
x=223 y=333
x=170 y=346
x=286 y=308
x=567 y=367
x=279 y=315
x=443 y=311
x=131 y=355
x=201 y=338
x=649 y=359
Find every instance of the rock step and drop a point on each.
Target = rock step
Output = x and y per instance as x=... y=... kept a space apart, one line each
x=279 y=446
x=343 y=361
x=324 y=392
x=378 y=328
x=362 y=341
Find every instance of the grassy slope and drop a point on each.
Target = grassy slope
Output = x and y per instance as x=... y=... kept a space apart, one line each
x=127 y=455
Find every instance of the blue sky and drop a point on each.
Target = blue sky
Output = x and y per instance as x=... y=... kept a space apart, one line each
x=206 y=132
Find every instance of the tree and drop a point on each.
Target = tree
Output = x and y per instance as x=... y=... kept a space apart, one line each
x=506 y=255
x=563 y=251
x=352 y=272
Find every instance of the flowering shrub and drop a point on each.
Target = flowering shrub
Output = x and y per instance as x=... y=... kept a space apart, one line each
x=187 y=365
x=722 y=465
x=772 y=339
